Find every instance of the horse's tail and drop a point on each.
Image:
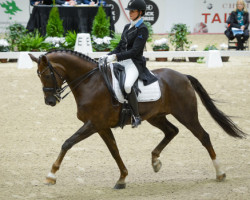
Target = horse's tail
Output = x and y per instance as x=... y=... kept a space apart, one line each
x=222 y=119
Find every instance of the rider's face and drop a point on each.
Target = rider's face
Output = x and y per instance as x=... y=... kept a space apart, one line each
x=133 y=14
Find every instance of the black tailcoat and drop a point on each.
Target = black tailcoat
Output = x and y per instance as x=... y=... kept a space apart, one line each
x=131 y=46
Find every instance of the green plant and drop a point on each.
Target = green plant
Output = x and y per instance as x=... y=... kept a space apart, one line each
x=14 y=33
x=207 y=48
x=115 y=41
x=55 y=24
x=31 y=41
x=70 y=39
x=210 y=47
x=101 y=24
x=178 y=36
x=150 y=31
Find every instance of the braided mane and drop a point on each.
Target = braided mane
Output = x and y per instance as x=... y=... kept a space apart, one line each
x=83 y=56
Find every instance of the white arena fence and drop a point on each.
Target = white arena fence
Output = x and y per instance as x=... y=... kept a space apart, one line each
x=213 y=57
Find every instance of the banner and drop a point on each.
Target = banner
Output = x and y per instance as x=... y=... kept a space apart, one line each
x=13 y=11
x=201 y=16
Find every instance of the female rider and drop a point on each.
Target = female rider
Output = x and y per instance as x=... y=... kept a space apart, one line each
x=129 y=53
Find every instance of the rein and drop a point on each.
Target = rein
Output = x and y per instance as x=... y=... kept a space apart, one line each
x=80 y=79
x=103 y=67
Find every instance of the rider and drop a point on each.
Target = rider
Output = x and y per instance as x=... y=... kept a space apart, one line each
x=129 y=53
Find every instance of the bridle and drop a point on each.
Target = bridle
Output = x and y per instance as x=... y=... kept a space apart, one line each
x=57 y=90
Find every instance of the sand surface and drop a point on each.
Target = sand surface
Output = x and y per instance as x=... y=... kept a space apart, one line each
x=32 y=134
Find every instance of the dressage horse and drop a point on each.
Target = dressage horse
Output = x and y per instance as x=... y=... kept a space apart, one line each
x=97 y=110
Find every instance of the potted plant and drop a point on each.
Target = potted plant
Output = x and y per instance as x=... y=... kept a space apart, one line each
x=178 y=38
x=114 y=41
x=31 y=42
x=54 y=27
x=14 y=33
x=4 y=47
x=161 y=45
x=101 y=44
x=193 y=59
x=70 y=40
x=150 y=31
x=101 y=24
x=223 y=47
x=207 y=48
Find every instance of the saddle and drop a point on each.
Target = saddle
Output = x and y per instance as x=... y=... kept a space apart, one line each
x=114 y=76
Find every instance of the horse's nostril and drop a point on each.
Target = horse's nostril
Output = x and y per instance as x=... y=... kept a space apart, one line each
x=50 y=100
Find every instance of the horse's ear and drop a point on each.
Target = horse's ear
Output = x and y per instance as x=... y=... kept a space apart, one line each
x=44 y=59
x=33 y=58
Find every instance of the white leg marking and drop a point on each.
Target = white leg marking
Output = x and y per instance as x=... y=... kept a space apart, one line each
x=52 y=176
x=217 y=167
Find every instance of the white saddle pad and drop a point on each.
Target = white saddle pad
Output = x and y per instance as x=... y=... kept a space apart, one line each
x=148 y=93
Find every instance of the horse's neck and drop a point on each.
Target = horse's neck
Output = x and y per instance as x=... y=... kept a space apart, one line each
x=78 y=69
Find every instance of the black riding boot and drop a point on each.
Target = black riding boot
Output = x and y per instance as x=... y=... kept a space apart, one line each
x=132 y=100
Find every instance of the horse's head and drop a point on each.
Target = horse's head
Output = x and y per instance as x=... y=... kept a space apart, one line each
x=51 y=79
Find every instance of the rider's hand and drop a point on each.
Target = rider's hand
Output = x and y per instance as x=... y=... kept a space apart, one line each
x=103 y=57
x=111 y=58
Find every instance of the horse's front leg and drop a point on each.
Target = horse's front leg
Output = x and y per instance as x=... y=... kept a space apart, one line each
x=85 y=131
x=109 y=139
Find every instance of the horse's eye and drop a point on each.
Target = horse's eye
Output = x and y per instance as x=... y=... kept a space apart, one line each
x=47 y=77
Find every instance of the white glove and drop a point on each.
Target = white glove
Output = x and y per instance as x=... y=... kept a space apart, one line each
x=111 y=58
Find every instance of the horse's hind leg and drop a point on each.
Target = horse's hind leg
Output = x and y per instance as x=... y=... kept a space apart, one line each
x=109 y=139
x=170 y=132
x=189 y=118
x=85 y=131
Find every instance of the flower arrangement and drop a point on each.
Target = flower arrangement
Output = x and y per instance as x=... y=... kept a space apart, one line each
x=55 y=42
x=4 y=45
x=223 y=46
x=101 y=44
x=193 y=47
x=161 y=45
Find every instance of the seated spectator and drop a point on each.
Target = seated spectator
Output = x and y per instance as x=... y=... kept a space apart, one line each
x=90 y=2
x=58 y=2
x=36 y=2
x=93 y=2
x=239 y=18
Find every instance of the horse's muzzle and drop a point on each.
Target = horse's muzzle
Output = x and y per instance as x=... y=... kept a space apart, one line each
x=51 y=100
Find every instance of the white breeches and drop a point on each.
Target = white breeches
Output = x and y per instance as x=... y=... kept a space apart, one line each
x=131 y=74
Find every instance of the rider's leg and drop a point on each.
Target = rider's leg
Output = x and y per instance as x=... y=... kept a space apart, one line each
x=132 y=100
x=131 y=76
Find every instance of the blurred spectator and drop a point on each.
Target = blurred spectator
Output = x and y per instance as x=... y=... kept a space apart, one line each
x=94 y=2
x=239 y=19
x=58 y=2
x=36 y=2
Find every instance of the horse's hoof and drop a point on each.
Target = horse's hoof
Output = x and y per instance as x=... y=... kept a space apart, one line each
x=119 y=186
x=157 y=165
x=50 y=181
x=221 y=177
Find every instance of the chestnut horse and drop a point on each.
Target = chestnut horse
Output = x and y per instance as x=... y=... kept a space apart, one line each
x=96 y=108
